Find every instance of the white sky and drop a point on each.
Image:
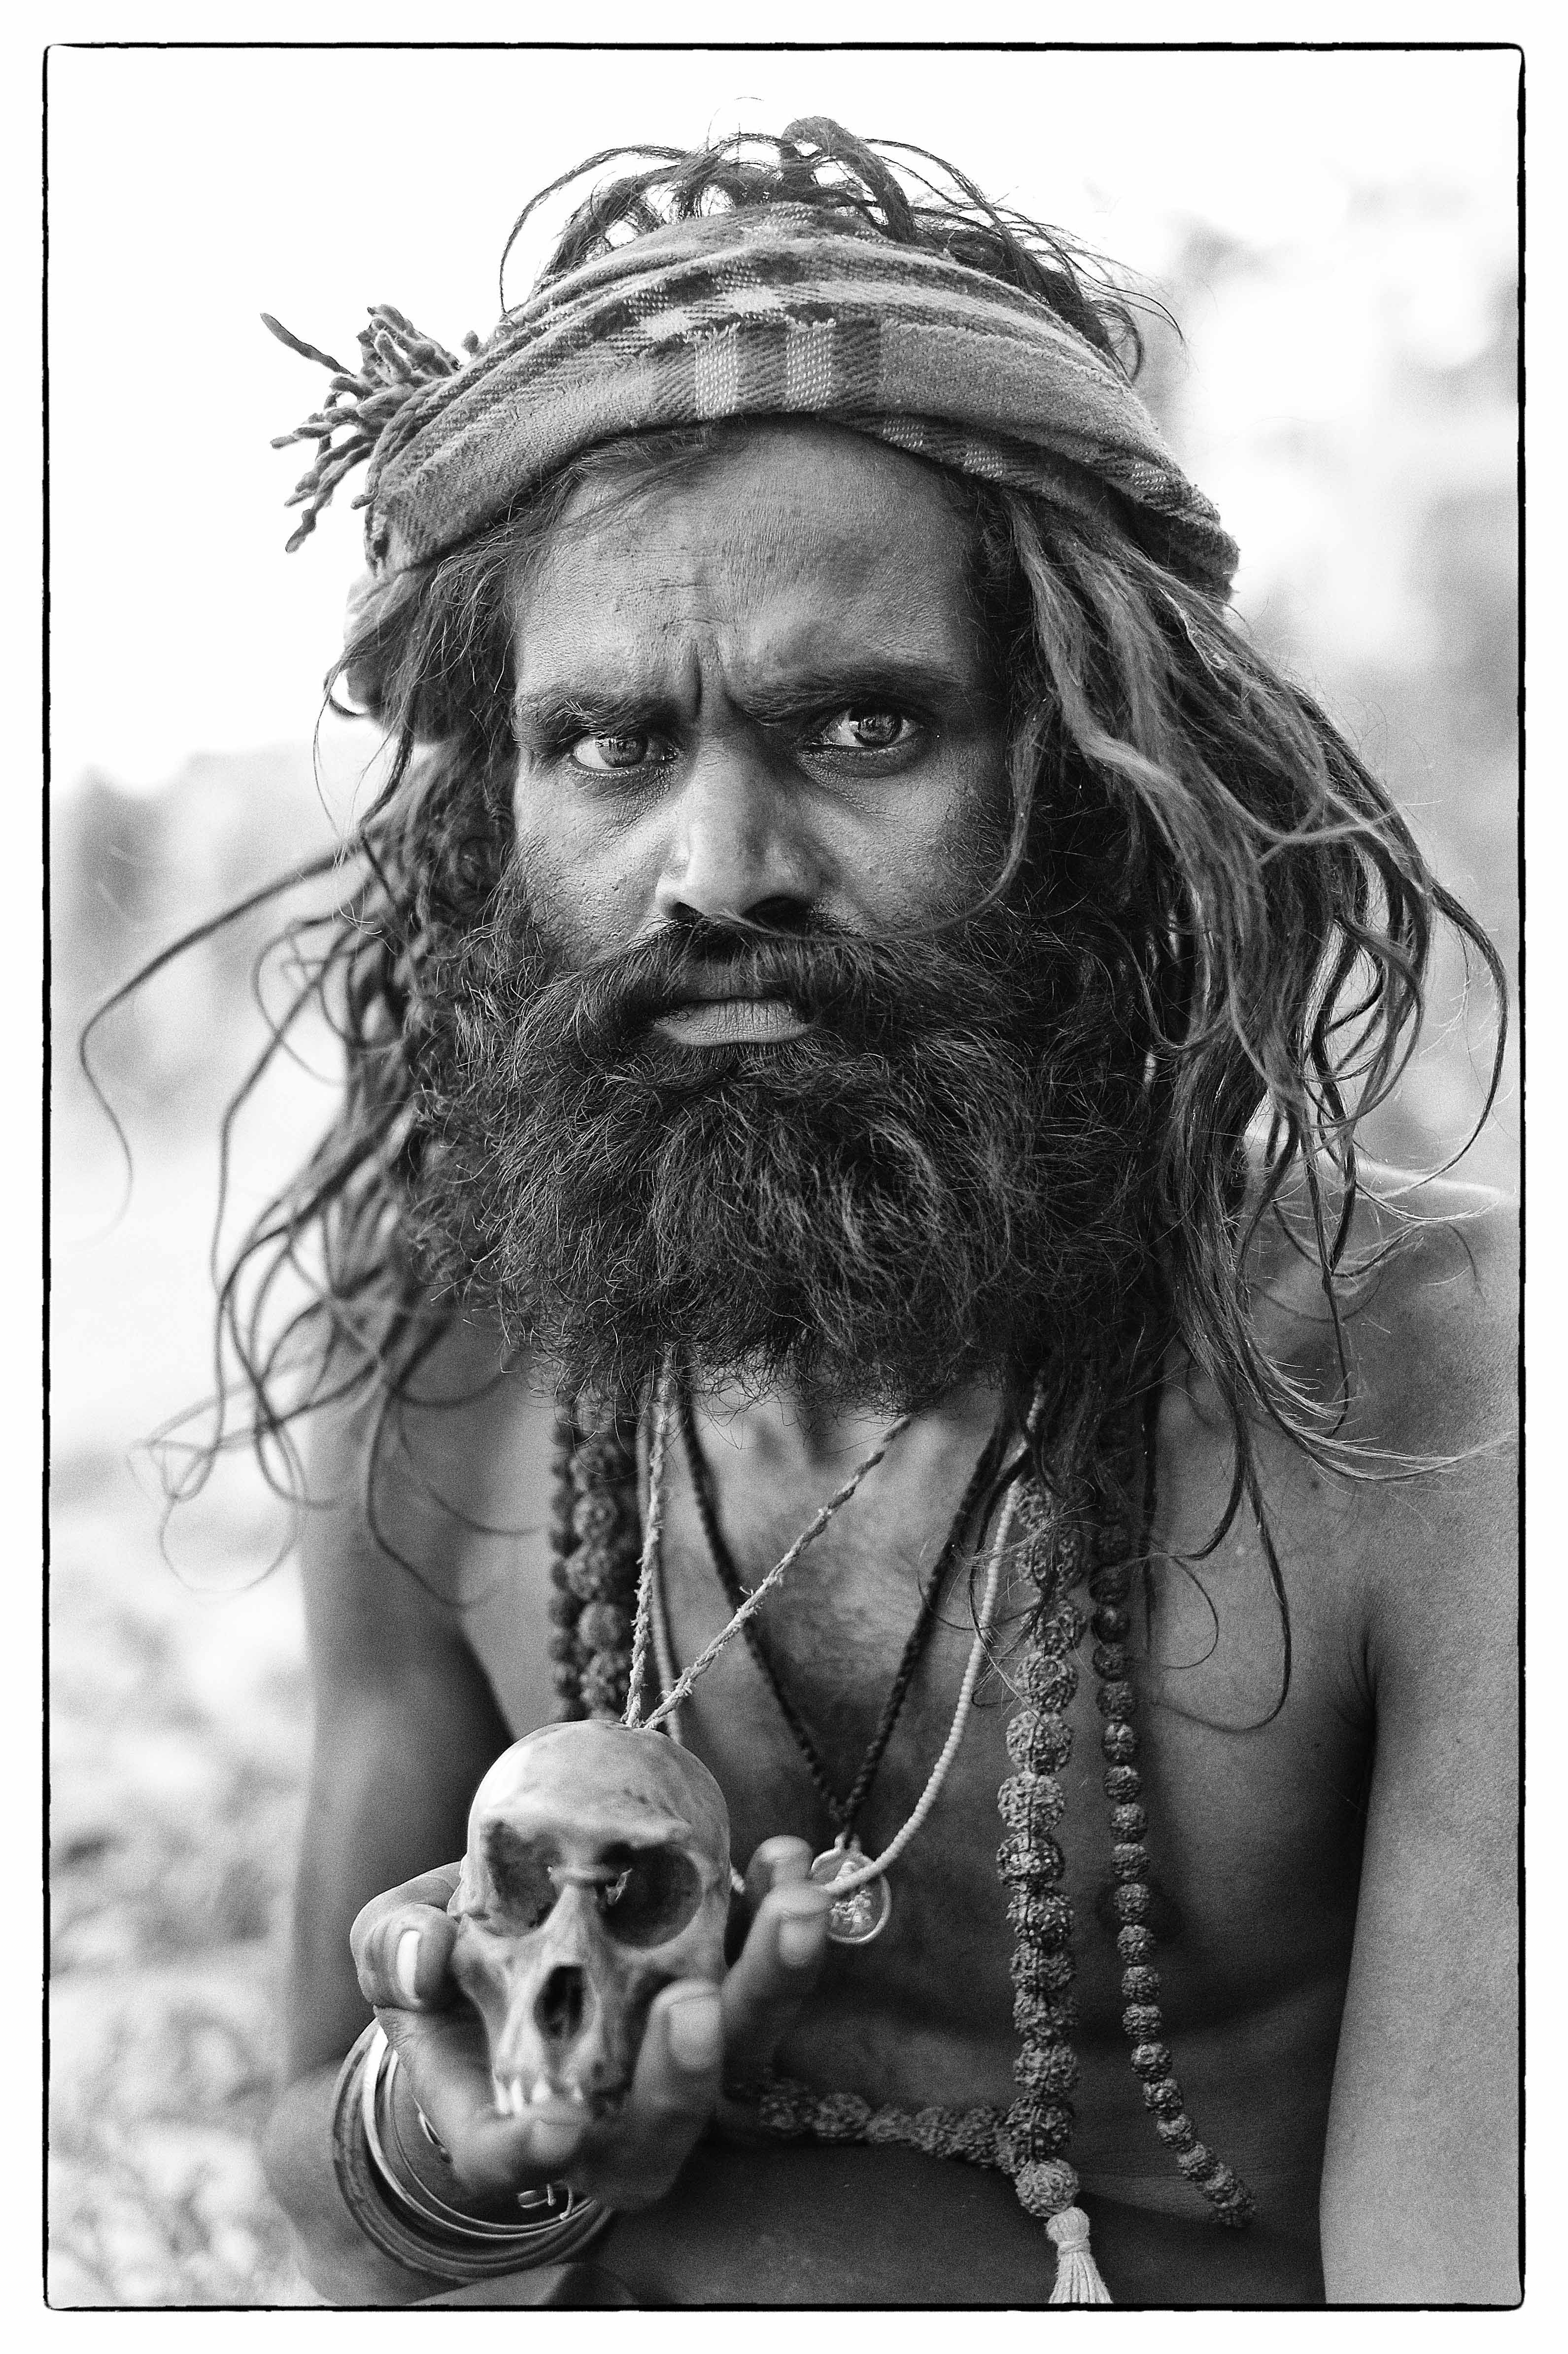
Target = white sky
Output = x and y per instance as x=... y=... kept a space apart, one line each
x=189 y=191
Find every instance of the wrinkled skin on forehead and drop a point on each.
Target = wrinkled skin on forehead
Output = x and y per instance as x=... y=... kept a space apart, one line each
x=596 y=1872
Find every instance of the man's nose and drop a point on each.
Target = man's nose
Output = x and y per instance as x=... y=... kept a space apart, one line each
x=737 y=845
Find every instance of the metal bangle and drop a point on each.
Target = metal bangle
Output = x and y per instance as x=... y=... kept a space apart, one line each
x=544 y=2211
x=405 y=2220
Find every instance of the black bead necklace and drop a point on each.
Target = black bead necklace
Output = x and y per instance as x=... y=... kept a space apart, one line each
x=842 y=1813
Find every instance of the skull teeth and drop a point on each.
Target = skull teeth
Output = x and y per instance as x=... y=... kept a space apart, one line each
x=513 y=2099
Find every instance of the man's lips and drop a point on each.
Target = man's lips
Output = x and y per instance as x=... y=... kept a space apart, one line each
x=731 y=1021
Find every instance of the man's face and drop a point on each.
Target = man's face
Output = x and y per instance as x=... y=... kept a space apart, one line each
x=757 y=689
x=741 y=1061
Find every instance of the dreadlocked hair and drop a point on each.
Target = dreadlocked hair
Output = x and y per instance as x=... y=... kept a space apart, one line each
x=817 y=161
x=1190 y=819
x=1268 y=908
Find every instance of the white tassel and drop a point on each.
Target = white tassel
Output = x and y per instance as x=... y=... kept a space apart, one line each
x=1078 y=2278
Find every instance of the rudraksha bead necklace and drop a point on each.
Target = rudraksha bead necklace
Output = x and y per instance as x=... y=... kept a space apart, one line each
x=1109 y=1586
x=596 y=1546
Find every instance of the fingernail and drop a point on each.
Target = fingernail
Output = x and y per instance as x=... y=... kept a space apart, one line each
x=694 y=2031
x=406 y=1967
x=799 y=1939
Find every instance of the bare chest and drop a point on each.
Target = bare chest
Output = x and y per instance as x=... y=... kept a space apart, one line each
x=1254 y=1819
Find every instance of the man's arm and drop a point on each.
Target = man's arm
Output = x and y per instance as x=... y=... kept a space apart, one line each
x=406 y=1725
x=1419 y=2199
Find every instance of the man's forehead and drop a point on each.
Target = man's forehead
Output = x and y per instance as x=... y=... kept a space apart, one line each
x=792 y=550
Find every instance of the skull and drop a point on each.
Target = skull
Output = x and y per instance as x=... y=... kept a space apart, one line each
x=596 y=1871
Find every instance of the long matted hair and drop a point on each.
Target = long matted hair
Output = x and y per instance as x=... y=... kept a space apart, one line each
x=1212 y=839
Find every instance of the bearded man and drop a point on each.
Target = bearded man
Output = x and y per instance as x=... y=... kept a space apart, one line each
x=863 y=978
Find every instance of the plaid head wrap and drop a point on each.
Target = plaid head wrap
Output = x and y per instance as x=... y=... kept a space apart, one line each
x=777 y=310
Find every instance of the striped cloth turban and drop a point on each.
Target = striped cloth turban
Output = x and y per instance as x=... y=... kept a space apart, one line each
x=774 y=311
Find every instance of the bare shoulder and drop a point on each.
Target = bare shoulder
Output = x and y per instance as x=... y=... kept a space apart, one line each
x=1429 y=1311
x=408 y=1499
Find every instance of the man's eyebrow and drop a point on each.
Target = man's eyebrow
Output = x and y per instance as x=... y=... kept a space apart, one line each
x=859 y=677
x=551 y=714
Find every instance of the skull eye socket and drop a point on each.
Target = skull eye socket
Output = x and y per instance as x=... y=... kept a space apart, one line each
x=519 y=1872
x=655 y=1892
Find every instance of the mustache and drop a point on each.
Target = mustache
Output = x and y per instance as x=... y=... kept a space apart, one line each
x=868 y=992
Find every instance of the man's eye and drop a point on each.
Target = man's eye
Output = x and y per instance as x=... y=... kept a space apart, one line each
x=610 y=755
x=866 y=727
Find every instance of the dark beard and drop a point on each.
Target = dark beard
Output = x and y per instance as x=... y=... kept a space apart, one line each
x=939 y=1181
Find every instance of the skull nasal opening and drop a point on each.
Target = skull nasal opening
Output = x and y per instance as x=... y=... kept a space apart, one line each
x=561 y=2005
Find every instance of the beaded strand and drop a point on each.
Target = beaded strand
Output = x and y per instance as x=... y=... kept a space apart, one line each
x=1110 y=1584
x=566 y=1607
x=1030 y=1865
x=597 y=1529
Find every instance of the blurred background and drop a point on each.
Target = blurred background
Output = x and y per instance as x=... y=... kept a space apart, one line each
x=1336 y=235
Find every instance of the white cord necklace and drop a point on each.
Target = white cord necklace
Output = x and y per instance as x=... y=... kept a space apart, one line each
x=858 y=1914
x=863 y=1900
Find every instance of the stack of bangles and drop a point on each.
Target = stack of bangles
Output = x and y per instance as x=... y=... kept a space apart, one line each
x=401 y=2215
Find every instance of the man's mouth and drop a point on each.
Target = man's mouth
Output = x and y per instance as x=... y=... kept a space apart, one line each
x=731 y=1021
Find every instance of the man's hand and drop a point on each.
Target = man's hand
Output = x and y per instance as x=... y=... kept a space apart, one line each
x=698 y=2039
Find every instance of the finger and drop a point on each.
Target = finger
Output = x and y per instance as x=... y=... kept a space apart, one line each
x=490 y=2152
x=681 y=2058
x=778 y=1862
x=431 y=1888
x=777 y=1969
x=446 y=2061
x=403 y=1957
x=675 y=2092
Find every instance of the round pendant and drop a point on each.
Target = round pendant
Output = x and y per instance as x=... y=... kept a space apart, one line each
x=863 y=1914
